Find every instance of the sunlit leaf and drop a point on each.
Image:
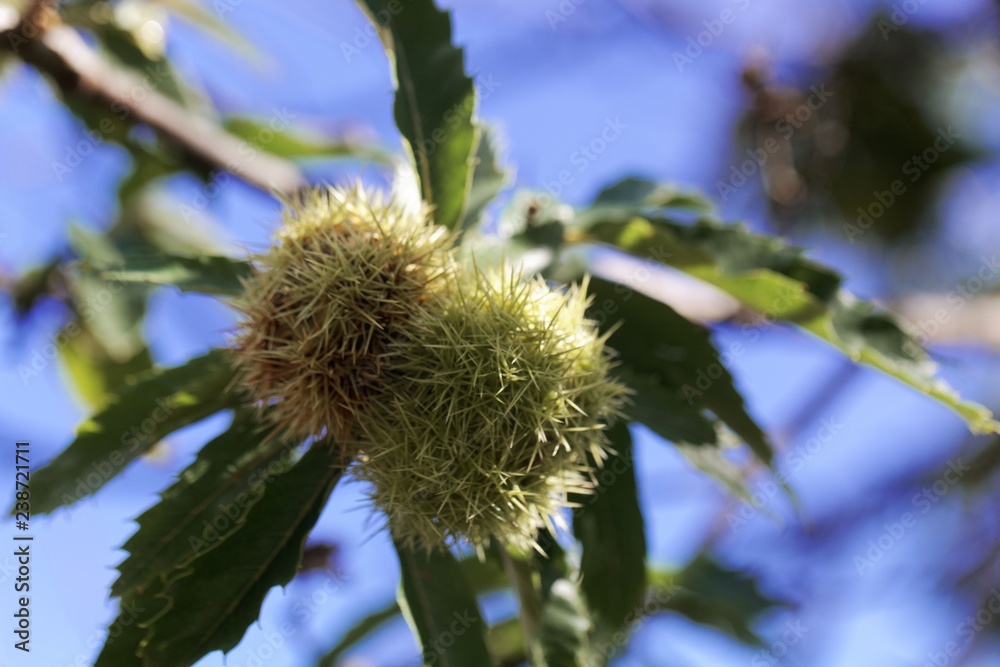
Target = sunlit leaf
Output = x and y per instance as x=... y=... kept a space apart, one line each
x=435 y=100
x=156 y=404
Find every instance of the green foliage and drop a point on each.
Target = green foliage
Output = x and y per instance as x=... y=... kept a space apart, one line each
x=610 y=529
x=154 y=405
x=214 y=598
x=299 y=144
x=435 y=101
x=441 y=608
x=206 y=273
x=776 y=280
x=712 y=594
x=228 y=477
x=489 y=177
x=657 y=341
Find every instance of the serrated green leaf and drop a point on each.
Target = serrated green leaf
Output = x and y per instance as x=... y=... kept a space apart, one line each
x=210 y=500
x=610 y=529
x=435 y=100
x=656 y=340
x=441 y=609
x=488 y=179
x=127 y=631
x=206 y=274
x=155 y=405
x=219 y=594
x=872 y=337
x=774 y=278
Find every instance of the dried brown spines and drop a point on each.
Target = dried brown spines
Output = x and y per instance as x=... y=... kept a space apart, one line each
x=346 y=276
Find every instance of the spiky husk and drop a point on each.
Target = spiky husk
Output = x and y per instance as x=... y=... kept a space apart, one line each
x=497 y=403
x=346 y=275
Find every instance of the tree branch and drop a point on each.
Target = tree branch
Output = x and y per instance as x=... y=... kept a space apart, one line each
x=40 y=40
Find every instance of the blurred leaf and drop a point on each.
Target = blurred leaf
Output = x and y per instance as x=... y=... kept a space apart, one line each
x=482 y=577
x=665 y=410
x=609 y=527
x=763 y=272
x=636 y=191
x=772 y=277
x=657 y=341
x=196 y=14
x=206 y=273
x=156 y=404
x=565 y=626
x=91 y=371
x=488 y=179
x=361 y=629
x=713 y=462
x=872 y=337
x=834 y=150
x=708 y=593
x=506 y=642
x=219 y=594
x=435 y=100
x=227 y=478
x=435 y=598
x=32 y=286
x=295 y=144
